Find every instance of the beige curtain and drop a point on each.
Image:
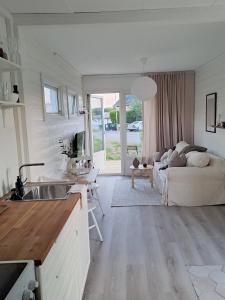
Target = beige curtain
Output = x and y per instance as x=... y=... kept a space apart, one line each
x=149 y=134
x=173 y=110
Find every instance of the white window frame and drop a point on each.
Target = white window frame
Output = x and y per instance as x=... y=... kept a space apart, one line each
x=80 y=103
x=45 y=81
x=71 y=92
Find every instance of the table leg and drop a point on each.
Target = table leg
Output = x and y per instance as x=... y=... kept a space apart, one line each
x=132 y=179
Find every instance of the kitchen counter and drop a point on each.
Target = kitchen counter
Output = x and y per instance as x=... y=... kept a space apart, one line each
x=28 y=229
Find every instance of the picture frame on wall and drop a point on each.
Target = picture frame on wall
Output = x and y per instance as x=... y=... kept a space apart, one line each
x=211 y=111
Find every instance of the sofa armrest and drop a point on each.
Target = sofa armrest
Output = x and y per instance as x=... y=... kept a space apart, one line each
x=177 y=174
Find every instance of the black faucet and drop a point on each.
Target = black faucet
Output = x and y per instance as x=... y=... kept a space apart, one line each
x=18 y=192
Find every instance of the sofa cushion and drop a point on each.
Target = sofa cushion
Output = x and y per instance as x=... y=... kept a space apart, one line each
x=180 y=146
x=166 y=155
x=160 y=154
x=197 y=159
x=190 y=148
x=177 y=160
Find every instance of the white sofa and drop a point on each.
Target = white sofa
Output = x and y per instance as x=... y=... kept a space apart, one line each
x=192 y=186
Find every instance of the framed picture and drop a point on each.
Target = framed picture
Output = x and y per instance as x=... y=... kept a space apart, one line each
x=211 y=108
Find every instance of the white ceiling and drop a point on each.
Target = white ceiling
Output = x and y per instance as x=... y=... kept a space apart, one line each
x=66 y=6
x=117 y=48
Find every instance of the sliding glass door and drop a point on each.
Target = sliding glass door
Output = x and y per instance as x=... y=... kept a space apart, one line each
x=105 y=129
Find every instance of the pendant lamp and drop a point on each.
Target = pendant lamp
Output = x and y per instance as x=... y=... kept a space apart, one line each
x=144 y=87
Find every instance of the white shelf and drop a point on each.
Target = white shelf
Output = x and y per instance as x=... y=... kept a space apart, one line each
x=8 y=66
x=10 y=104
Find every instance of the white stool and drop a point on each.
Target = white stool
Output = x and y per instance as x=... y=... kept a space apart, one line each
x=93 y=190
x=95 y=225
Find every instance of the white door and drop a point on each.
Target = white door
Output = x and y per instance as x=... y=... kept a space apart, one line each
x=97 y=131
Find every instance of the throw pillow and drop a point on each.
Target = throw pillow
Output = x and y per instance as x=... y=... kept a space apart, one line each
x=172 y=156
x=166 y=155
x=160 y=154
x=190 y=148
x=197 y=159
x=180 y=146
x=178 y=161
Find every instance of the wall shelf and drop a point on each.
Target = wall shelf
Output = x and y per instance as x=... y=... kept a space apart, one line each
x=11 y=104
x=8 y=66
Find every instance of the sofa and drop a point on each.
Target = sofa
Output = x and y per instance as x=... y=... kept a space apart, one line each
x=191 y=186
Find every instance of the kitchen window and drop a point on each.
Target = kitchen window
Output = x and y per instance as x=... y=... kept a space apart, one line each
x=52 y=99
x=72 y=105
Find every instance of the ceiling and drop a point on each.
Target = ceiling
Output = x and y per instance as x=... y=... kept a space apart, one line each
x=69 y=6
x=117 y=48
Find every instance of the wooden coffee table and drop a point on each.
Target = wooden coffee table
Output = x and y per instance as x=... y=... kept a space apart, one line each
x=142 y=171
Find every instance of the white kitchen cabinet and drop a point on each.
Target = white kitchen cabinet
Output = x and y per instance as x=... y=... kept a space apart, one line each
x=64 y=271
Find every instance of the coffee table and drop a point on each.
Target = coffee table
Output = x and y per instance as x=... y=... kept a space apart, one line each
x=142 y=171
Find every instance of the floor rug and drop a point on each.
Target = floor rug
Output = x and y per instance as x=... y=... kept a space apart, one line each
x=142 y=194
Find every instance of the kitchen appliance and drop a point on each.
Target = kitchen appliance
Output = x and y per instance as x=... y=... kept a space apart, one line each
x=18 y=280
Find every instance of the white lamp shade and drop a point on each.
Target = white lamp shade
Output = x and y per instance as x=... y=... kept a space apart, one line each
x=144 y=88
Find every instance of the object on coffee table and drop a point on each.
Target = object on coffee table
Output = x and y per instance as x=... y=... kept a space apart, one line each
x=145 y=165
x=136 y=163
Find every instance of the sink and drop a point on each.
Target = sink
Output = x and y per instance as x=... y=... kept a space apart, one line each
x=46 y=191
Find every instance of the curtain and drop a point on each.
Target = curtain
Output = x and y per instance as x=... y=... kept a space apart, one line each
x=149 y=134
x=173 y=109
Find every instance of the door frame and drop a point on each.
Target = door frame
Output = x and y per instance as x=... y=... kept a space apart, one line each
x=123 y=137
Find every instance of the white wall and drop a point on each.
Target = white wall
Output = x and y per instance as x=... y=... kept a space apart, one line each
x=43 y=136
x=8 y=137
x=108 y=83
x=210 y=78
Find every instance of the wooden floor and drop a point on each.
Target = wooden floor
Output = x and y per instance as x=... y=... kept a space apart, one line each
x=145 y=250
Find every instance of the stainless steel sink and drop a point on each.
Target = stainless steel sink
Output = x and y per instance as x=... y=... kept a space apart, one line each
x=46 y=191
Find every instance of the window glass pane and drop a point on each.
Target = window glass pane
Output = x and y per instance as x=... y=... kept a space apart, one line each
x=97 y=123
x=51 y=99
x=134 y=125
x=72 y=104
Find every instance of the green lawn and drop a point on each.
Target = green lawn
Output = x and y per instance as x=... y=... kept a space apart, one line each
x=113 y=149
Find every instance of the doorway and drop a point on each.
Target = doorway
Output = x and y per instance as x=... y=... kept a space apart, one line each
x=105 y=128
x=116 y=125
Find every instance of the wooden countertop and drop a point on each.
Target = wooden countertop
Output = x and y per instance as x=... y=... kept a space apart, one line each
x=28 y=229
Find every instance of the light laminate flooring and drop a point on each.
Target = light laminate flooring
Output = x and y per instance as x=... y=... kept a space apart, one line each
x=146 y=249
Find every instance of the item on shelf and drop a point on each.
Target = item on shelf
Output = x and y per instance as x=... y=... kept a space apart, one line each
x=14 y=96
x=136 y=163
